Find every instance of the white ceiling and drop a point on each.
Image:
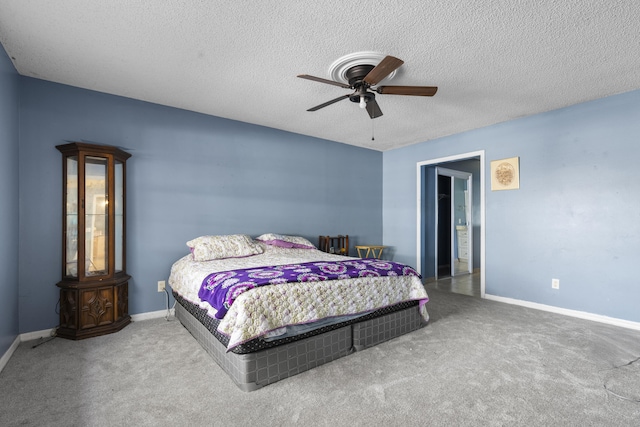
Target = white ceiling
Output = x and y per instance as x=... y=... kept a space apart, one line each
x=493 y=60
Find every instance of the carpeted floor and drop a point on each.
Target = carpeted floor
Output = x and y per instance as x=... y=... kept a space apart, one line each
x=478 y=362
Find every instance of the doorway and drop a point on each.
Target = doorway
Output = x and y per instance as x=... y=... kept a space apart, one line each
x=462 y=209
x=453 y=216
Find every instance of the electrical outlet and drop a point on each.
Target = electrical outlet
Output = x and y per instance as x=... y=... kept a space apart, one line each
x=161 y=285
x=555 y=283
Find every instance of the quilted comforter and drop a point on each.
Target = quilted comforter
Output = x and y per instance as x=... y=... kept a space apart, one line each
x=264 y=309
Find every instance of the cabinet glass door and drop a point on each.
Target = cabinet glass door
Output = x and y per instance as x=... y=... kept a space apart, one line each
x=71 y=234
x=119 y=215
x=96 y=216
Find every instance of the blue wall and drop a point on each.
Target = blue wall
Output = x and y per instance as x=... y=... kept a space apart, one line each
x=576 y=216
x=9 y=238
x=189 y=175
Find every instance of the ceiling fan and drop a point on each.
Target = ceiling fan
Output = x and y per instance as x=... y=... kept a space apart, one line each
x=364 y=78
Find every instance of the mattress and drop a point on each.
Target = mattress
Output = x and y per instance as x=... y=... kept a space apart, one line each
x=211 y=324
x=255 y=370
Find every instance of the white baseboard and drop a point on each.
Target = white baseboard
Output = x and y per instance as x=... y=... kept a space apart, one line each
x=22 y=338
x=151 y=315
x=7 y=355
x=567 y=312
x=45 y=333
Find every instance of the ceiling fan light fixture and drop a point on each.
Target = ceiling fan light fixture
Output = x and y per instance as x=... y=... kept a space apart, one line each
x=362 y=97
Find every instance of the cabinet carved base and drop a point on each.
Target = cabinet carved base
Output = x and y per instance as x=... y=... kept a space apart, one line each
x=90 y=309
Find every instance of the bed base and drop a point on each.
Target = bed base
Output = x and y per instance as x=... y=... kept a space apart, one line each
x=255 y=370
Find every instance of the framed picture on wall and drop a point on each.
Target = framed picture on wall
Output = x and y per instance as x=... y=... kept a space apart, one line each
x=505 y=174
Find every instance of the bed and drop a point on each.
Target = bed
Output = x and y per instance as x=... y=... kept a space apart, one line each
x=273 y=307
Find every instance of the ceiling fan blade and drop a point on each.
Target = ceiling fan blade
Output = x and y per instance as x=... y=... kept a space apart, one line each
x=333 y=101
x=407 y=90
x=373 y=109
x=388 y=65
x=321 y=80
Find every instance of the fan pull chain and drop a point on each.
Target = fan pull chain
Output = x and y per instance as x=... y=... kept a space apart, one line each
x=372 y=138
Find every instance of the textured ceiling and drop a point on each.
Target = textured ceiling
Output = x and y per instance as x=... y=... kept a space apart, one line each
x=493 y=60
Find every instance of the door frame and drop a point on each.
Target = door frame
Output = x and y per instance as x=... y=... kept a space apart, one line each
x=419 y=207
x=467 y=176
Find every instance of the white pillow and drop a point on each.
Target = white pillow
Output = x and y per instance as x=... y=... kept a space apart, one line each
x=286 y=241
x=207 y=248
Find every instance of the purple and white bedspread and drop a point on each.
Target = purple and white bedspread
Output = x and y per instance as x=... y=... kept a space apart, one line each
x=266 y=309
x=221 y=289
x=314 y=293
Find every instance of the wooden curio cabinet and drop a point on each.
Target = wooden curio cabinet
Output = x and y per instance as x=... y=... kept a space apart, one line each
x=94 y=285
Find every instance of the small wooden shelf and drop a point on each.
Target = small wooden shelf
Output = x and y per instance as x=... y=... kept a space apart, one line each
x=334 y=244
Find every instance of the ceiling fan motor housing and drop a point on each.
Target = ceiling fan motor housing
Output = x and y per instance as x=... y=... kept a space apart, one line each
x=356 y=74
x=356 y=77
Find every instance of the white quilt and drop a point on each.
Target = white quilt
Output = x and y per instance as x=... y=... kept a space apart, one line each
x=268 y=308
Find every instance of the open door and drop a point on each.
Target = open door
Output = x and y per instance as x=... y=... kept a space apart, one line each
x=454 y=246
